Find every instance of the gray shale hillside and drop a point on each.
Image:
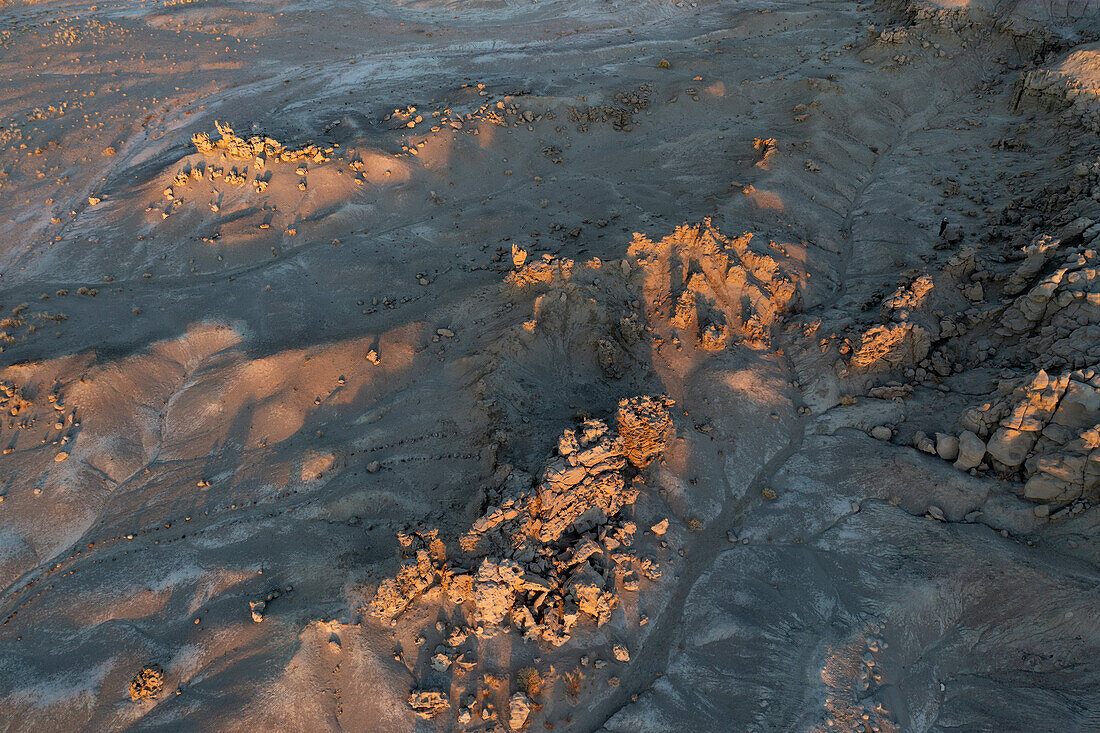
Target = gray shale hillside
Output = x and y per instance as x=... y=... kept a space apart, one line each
x=641 y=366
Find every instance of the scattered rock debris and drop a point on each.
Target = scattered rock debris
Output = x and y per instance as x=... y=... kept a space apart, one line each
x=147 y=683
x=545 y=553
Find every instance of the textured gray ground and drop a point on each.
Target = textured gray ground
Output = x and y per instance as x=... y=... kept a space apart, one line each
x=221 y=423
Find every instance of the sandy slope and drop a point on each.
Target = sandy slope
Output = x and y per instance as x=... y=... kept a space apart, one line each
x=232 y=377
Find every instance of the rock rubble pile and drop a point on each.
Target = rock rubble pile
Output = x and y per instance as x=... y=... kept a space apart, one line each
x=546 y=553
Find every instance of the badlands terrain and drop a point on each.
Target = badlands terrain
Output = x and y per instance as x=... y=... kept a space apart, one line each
x=596 y=365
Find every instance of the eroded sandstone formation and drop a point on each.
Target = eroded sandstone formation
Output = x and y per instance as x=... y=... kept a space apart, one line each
x=644 y=424
x=1046 y=431
x=147 y=683
x=423 y=567
x=257 y=147
x=428 y=703
x=546 y=553
x=721 y=290
x=1057 y=316
x=888 y=347
x=1071 y=86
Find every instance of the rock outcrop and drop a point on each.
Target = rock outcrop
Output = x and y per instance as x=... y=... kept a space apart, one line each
x=1057 y=318
x=148 y=682
x=422 y=567
x=1045 y=432
x=428 y=703
x=519 y=709
x=257 y=147
x=645 y=427
x=586 y=477
x=719 y=290
x=891 y=347
x=546 y=553
x=1072 y=86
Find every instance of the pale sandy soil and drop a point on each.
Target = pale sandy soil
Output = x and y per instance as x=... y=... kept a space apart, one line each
x=220 y=391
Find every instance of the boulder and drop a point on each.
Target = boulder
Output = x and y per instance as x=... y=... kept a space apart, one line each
x=971 y=451
x=428 y=703
x=1010 y=447
x=519 y=709
x=947 y=446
